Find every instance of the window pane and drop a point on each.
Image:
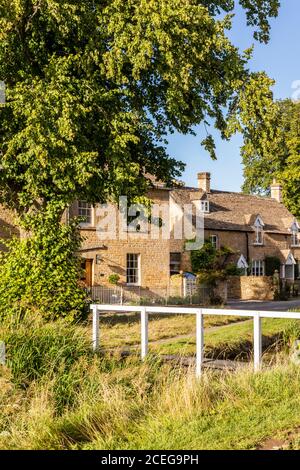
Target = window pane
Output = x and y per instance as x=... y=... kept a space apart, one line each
x=205 y=206
x=85 y=211
x=259 y=236
x=175 y=263
x=295 y=239
x=258 y=268
x=132 y=270
x=289 y=272
x=214 y=241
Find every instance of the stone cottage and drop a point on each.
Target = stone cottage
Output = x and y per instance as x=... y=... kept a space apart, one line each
x=255 y=227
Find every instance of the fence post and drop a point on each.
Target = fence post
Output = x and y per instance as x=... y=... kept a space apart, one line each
x=257 y=336
x=199 y=342
x=184 y=287
x=122 y=295
x=144 y=333
x=95 y=328
x=2 y=353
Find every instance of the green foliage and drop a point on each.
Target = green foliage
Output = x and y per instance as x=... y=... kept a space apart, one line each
x=272 y=264
x=35 y=348
x=231 y=269
x=204 y=258
x=126 y=404
x=271 y=151
x=40 y=274
x=94 y=87
x=113 y=279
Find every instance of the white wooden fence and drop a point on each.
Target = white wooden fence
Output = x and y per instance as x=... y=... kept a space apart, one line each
x=199 y=312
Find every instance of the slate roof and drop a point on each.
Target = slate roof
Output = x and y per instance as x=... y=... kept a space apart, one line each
x=238 y=211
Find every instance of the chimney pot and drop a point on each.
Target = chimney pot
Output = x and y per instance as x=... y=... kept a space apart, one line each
x=204 y=181
x=276 y=191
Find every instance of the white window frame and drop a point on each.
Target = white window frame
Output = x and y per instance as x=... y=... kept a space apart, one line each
x=295 y=238
x=138 y=268
x=259 y=236
x=88 y=206
x=290 y=263
x=242 y=264
x=258 y=268
x=214 y=240
x=259 y=231
x=295 y=235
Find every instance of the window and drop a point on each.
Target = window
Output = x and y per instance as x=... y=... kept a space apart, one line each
x=259 y=231
x=85 y=211
x=242 y=264
x=175 y=262
x=214 y=240
x=289 y=270
x=204 y=206
x=297 y=269
x=258 y=268
x=295 y=237
x=133 y=269
x=87 y=272
x=259 y=237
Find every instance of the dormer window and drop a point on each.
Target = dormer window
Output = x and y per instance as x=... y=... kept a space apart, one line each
x=259 y=236
x=205 y=206
x=259 y=231
x=242 y=264
x=295 y=234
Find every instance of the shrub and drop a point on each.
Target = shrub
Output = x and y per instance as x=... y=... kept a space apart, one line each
x=113 y=279
x=215 y=299
x=232 y=270
x=211 y=264
x=177 y=300
x=41 y=274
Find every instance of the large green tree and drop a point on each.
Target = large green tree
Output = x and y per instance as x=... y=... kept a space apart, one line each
x=272 y=151
x=93 y=87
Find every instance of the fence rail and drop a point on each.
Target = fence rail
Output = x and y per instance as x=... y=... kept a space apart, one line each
x=192 y=294
x=199 y=312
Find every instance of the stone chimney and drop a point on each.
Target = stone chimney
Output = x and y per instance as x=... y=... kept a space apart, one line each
x=204 y=181
x=276 y=191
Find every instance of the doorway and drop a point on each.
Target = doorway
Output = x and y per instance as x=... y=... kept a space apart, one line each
x=87 y=275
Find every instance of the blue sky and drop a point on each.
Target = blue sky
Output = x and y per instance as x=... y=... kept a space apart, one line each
x=280 y=59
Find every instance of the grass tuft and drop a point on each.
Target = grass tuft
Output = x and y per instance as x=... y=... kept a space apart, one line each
x=56 y=394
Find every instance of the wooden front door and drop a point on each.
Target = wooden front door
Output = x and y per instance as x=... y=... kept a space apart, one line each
x=87 y=265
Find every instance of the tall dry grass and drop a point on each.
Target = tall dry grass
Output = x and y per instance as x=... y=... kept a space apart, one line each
x=55 y=394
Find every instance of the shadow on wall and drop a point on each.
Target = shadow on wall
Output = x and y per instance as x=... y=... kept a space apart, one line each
x=250 y=288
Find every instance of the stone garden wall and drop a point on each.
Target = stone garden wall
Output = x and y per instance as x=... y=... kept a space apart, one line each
x=250 y=288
